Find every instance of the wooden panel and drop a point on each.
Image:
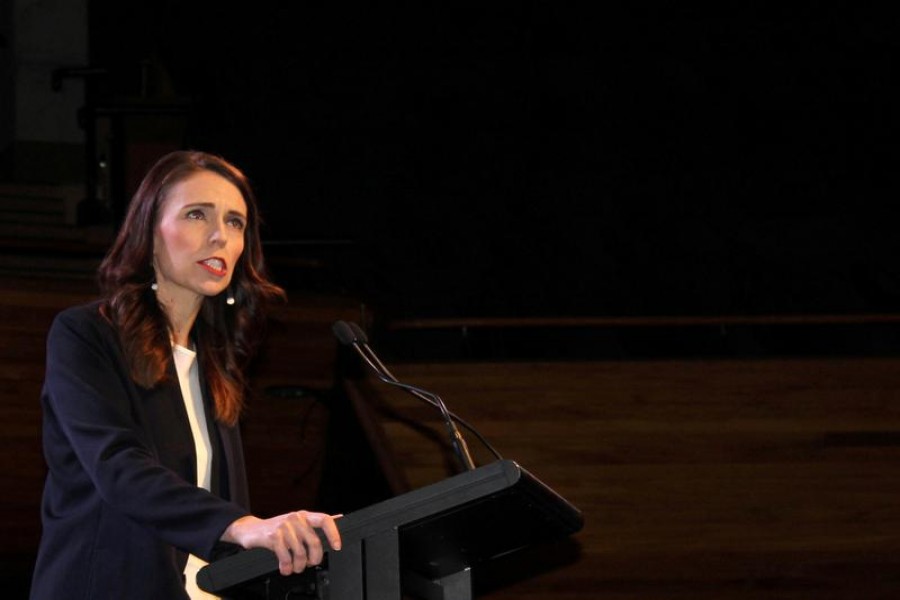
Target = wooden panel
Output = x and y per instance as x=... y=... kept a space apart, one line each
x=27 y=307
x=697 y=479
x=287 y=420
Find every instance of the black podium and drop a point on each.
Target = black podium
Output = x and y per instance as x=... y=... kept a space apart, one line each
x=422 y=544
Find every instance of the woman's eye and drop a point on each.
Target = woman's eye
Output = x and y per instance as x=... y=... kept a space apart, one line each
x=195 y=214
x=236 y=223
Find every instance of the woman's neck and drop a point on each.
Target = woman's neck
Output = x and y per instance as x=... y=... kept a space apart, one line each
x=181 y=319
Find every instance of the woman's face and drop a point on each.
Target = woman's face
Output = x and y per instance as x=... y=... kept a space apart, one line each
x=198 y=238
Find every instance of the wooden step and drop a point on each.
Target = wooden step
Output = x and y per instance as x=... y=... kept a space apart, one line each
x=40 y=204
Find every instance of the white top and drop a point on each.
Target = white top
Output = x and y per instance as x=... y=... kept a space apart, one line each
x=189 y=379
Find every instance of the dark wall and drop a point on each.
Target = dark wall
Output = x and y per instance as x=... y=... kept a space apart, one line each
x=534 y=158
x=7 y=124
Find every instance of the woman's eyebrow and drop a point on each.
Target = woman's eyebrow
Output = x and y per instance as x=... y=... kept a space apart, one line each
x=212 y=205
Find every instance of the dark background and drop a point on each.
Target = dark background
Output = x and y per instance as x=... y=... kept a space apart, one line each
x=729 y=165
x=545 y=158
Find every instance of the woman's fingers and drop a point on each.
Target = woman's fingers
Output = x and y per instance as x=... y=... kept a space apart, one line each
x=310 y=539
x=282 y=551
x=299 y=537
x=328 y=526
x=293 y=537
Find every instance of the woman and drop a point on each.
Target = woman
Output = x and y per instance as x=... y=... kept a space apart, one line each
x=142 y=395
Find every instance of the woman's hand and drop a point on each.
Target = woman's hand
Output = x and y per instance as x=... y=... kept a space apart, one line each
x=292 y=537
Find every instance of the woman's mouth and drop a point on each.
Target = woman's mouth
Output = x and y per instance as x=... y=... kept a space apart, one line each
x=216 y=266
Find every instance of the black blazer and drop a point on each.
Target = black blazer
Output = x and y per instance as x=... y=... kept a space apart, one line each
x=121 y=508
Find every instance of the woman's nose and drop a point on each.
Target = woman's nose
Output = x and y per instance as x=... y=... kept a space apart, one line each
x=218 y=234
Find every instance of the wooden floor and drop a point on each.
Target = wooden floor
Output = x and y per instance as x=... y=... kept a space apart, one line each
x=698 y=479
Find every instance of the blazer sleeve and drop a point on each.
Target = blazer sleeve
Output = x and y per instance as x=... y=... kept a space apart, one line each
x=91 y=398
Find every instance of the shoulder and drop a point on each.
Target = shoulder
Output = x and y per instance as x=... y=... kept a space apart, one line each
x=87 y=311
x=83 y=314
x=82 y=321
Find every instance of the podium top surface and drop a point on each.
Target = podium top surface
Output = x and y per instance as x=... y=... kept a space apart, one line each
x=455 y=493
x=455 y=523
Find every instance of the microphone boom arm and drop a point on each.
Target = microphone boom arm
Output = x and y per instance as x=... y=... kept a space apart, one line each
x=456 y=439
x=350 y=334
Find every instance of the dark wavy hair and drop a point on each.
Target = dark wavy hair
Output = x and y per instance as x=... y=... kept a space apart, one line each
x=226 y=336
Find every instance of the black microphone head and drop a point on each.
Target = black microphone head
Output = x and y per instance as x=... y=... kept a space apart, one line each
x=358 y=333
x=343 y=333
